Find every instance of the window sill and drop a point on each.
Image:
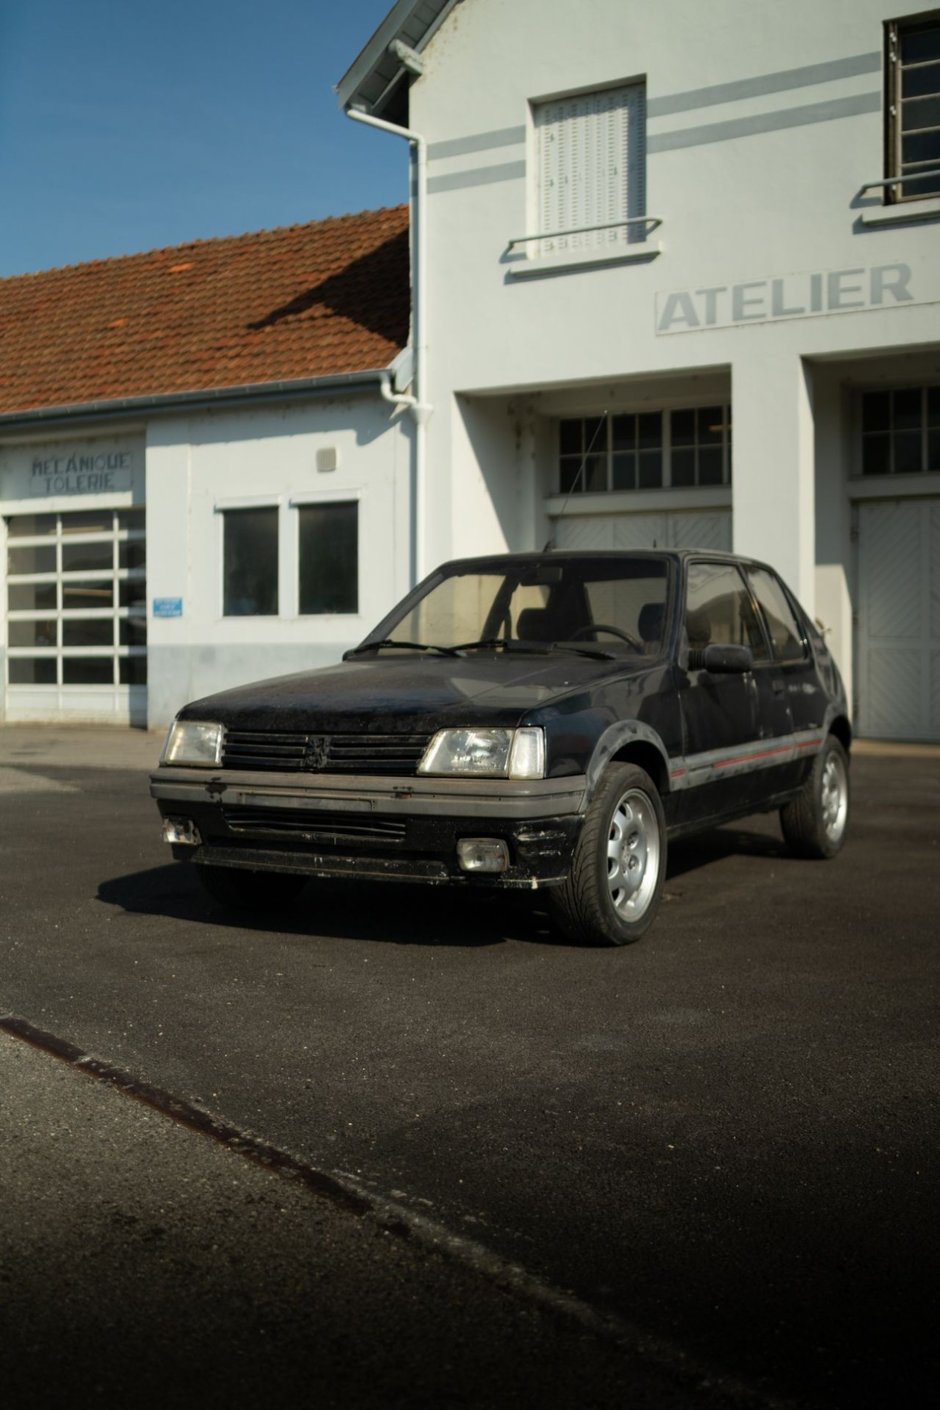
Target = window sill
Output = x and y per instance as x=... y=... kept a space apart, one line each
x=641 y=501
x=905 y=213
x=927 y=482
x=638 y=253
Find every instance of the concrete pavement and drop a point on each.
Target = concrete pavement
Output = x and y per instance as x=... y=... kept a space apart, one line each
x=81 y=746
x=145 y=1264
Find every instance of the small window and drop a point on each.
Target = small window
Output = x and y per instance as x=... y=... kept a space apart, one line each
x=87 y=670
x=584 y=455
x=913 y=109
x=37 y=631
x=132 y=554
x=329 y=558
x=28 y=526
x=31 y=560
x=250 y=562
x=591 y=170
x=645 y=450
x=719 y=610
x=697 y=439
x=637 y=451
x=84 y=596
x=901 y=431
x=782 y=626
x=88 y=557
x=88 y=521
x=32 y=670
x=88 y=631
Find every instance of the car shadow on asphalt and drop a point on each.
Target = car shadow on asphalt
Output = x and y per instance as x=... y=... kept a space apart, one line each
x=759 y=838
x=399 y=913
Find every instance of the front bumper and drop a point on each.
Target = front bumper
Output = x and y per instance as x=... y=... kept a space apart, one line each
x=373 y=827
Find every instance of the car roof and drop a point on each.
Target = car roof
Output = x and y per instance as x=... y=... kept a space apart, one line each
x=569 y=555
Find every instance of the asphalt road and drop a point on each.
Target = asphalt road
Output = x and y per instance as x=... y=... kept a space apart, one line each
x=721 y=1140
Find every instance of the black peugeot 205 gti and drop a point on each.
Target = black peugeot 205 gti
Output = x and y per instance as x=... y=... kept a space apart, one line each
x=528 y=720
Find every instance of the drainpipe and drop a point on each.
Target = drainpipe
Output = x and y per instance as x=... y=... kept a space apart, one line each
x=417 y=404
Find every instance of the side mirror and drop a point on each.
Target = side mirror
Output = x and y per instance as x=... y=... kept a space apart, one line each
x=721 y=660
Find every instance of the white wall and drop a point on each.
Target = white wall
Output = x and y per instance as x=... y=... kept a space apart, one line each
x=197 y=466
x=764 y=123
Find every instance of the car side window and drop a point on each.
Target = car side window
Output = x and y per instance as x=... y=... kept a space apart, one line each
x=782 y=626
x=718 y=609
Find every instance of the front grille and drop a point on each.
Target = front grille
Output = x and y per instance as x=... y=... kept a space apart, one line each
x=327 y=829
x=293 y=752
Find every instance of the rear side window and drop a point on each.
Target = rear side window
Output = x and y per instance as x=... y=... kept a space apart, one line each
x=718 y=610
x=782 y=626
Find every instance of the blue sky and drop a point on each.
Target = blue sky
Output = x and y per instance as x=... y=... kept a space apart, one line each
x=130 y=124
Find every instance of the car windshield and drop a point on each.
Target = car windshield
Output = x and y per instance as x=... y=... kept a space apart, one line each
x=615 y=603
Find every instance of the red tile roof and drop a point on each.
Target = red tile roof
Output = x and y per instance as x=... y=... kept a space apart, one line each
x=304 y=301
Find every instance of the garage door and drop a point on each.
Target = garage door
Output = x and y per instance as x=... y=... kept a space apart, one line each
x=677 y=529
x=899 y=620
x=76 y=595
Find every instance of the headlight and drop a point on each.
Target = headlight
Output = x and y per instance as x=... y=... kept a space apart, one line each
x=486 y=753
x=193 y=742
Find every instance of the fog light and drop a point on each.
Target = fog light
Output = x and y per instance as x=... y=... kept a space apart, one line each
x=482 y=854
x=181 y=831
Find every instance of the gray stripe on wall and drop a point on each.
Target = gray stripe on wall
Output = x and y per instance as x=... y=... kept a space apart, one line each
x=477 y=142
x=766 y=83
x=779 y=82
x=479 y=176
x=765 y=122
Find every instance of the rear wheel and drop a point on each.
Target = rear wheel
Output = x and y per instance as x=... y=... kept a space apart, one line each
x=238 y=889
x=814 y=823
x=612 y=891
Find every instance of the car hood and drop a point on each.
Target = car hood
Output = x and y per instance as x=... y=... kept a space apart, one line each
x=382 y=693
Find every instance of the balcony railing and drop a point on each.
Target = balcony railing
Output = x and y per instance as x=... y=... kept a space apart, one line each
x=652 y=222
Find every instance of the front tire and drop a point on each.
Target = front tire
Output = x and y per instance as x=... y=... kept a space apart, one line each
x=238 y=889
x=612 y=892
x=815 y=822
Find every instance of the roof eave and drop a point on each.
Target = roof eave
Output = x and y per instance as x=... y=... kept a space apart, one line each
x=166 y=403
x=374 y=76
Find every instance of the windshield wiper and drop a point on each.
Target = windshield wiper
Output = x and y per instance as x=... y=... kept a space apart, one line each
x=401 y=645
x=597 y=653
x=535 y=647
x=491 y=642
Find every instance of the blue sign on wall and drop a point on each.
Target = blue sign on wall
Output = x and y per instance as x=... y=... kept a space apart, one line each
x=168 y=607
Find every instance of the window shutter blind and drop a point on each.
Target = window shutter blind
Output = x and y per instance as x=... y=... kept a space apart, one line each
x=591 y=152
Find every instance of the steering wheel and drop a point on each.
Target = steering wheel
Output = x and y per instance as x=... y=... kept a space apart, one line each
x=596 y=627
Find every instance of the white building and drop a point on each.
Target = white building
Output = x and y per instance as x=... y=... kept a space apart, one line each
x=680 y=284
x=202 y=480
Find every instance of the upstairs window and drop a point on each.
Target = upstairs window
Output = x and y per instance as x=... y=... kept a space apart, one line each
x=592 y=170
x=913 y=118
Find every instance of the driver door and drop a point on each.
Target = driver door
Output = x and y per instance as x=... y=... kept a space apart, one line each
x=720 y=712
